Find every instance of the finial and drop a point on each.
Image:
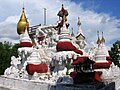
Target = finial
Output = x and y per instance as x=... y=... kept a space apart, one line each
x=98 y=41
x=62 y=9
x=62 y=5
x=72 y=28
x=98 y=33
x=102 y=40
x=72 y=34
x=79 y=23
x=102 y=33
x=62 y=12
x=23 y=6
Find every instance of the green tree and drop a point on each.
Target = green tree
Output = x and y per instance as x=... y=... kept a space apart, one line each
x=6 y=51
x=115 y=53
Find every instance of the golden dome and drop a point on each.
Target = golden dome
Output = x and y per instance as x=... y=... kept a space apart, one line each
x=23 y=23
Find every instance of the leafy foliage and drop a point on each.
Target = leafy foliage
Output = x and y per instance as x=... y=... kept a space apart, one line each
x=115 y=53
x=6 y=51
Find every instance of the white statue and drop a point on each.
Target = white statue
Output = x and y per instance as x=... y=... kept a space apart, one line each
x=13 y=70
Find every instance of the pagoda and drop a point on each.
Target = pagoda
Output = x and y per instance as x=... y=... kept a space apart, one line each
x=80 y=38
x=50 y=54
x=30 y=50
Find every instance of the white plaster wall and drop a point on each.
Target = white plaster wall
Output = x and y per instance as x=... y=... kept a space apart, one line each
x=19 y=84
x=23 y=84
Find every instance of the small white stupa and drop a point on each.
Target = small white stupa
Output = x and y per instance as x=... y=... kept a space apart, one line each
x=25 y=40
x=80 y=36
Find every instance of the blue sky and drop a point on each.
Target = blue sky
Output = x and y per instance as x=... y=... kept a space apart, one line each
x=111 y=7
x=102 y=15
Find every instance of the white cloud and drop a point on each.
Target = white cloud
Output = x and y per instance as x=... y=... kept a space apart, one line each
x=91 y=21
x=10 y=19
x=8 y=29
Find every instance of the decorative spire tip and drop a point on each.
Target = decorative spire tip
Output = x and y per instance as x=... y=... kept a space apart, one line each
x=103 y=39
x=98 y=33
x=98 y=41
x=62 y=5
x=23 y=5
x=79 y=23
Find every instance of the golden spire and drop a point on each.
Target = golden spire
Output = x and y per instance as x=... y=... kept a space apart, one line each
x=98 y=41
x=79 y=23
x=23 y=23
x=102 y=40
x=72 y=34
